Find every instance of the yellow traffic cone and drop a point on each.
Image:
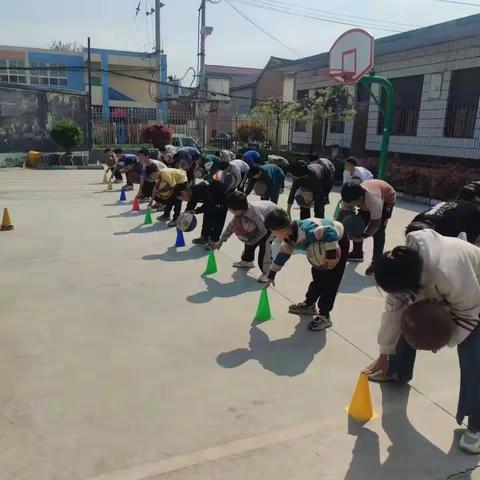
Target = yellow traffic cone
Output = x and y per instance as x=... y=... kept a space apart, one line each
x=6 y=221
x=360 y=408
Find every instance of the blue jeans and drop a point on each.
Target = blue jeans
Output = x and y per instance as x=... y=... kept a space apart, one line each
x=403 y=362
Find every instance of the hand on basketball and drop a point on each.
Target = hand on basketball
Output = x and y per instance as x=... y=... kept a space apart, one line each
x=378 y=367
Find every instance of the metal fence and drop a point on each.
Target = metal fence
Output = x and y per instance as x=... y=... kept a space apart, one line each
x=208 y=130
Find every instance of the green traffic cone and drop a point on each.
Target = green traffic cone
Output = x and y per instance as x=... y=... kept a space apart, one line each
x=337 y=210
x=148 y=217
x=109 y=188
x=211 y=264
x=263 y=310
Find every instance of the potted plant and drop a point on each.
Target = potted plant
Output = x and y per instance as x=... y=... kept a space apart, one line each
x=157 y=134
x=68 y=135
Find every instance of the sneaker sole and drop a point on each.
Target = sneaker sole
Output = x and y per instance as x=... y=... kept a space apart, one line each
x=325 y=326
x=355 y=260
x=243 y=266
x=467 y=449
x=296 y=312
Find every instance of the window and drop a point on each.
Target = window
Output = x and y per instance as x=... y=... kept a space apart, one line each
x=301 y=126
x=408 y=96
x=52 y=74
x=9 y=73
x=463 y=103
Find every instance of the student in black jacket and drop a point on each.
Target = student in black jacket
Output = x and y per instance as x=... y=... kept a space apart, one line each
x=317 y=178
x=212 y=197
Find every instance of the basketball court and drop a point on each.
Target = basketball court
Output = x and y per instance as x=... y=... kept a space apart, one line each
x=120 y=362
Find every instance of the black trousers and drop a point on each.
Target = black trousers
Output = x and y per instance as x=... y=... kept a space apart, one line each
x=213 y=222
x=264 y=253
x=318 y=208
x=132 y=176
x=116 y=172
x=147 y=188
x=325 y=283
x=173 y=202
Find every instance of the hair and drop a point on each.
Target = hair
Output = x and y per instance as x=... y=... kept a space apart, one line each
x=352 y=191
x=416 y=226
x=399 y=271
x=254 y=170
x=277 y=220
x=118 y=150
x=468 y=192
x=300 y=169
x=427 y=325
x=184 y=188
x=144 y=151
x=107 y=150
x=237 y=201
x=223 y=164
x=352 y=161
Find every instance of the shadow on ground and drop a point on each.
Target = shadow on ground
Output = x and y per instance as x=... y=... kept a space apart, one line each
x=354 y=282
x=285 y=357
x=180 y=254
x=154 y=227
x=127 y=214
x=411 y=455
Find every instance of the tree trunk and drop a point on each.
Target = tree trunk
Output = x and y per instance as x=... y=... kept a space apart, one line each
x=326 y=125
x=277 y=131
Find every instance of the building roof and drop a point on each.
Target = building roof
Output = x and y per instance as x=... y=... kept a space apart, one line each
x=421 y=37
x=231 y=71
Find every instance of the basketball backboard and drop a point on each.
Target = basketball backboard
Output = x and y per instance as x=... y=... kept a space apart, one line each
x=351 y=56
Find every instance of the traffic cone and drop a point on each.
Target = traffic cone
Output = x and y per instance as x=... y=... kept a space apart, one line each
x=123 y=196
x=109 y=188
x=337 y=210
x=263 y=310
x=211 y=264
x=105 y=181
x=180 y=241
x=6 y=221
x=148 y=217
x=360 y=408
x=136 y=205
x=24 y=166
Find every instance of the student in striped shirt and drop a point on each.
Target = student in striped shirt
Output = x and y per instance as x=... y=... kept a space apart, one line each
x=299 y=234
x=441 y=269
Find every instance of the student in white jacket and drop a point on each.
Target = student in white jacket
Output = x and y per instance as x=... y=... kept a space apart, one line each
x=443 y=269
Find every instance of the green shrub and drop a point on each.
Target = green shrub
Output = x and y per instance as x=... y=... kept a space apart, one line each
x=66 y=134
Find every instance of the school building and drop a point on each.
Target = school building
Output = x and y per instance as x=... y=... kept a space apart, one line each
x=115 y=93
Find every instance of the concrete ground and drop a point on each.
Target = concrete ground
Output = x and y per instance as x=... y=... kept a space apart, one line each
x=118 y=361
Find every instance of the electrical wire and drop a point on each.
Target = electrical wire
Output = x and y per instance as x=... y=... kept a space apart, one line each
x=336 y=15
x=261 y=29
x=460 y=3
x=273 y=8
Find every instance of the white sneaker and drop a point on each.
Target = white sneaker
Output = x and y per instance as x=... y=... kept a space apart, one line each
x=470 y=442
x=263 y=278
x=243 y=264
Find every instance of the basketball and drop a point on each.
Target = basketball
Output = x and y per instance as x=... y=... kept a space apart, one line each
x=260 y=188
x=164 y=190
x=316 y=254
x=427 y=325
x=186 y=222
x=304 y=198
x=354 y=226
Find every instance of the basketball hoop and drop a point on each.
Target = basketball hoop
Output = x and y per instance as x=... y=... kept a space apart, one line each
x=351 y=56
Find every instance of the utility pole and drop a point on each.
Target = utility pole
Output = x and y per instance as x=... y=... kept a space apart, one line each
x=158 y=55
x=89 y=106
x=203 y=34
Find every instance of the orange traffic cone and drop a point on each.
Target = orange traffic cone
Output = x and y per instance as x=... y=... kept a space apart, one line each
x=360 y=408
x=6 y=221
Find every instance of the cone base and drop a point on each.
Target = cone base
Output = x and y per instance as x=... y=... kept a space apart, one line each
x=6 y=228
x=261 y=320
x=361 y=419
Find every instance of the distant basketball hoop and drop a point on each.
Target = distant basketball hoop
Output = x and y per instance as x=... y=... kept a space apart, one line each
x=351 y=56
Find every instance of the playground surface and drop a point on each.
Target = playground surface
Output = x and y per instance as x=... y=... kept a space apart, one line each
x=119 y=361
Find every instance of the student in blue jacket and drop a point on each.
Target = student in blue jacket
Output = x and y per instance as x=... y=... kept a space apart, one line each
x=326 y=279
x=273 y=177
x=251 y=157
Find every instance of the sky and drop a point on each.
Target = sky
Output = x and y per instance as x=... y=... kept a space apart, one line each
x=112 y=24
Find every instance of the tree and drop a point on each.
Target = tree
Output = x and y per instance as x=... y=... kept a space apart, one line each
x=328 y=105
x=251 y=132
x=67 y=134
x=66 y=46
x=157 y=134
x=277 y=111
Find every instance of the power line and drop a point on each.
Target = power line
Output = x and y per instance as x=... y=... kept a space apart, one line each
x=337 y=15
x=460 y=3
x=273 y=8
x=273 y=37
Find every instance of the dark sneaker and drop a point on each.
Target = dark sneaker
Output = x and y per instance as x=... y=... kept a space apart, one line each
x=127 y=188
x=164 y=218
x=172 y=222
x=370 y=270
x=320 y=323
x=354 y=257
x=470 y=442
x=143 y=199
x=200 y=241
x=303 y=309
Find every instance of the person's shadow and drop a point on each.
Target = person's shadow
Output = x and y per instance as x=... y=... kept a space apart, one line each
x=289 y=356
x=241 y=283
x=411 y=455
x=178 y=254
x=154 y=227
x=353 y=282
